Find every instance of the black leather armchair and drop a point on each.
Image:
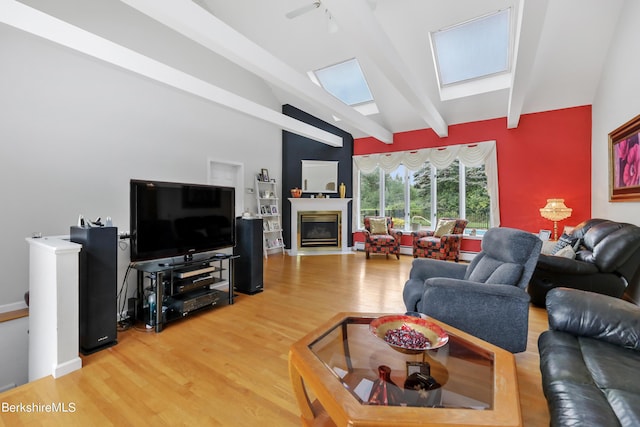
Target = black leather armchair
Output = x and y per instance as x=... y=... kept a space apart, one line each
x=590 y=359
x=607 y=261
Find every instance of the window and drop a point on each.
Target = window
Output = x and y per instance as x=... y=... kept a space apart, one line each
x=369 y=195
x=477 y=199
x=394 y=196
x=415 y=192
x=467 y=199
x=420 y=196
x=346 y=82
x=448 y=192
x=473 y=49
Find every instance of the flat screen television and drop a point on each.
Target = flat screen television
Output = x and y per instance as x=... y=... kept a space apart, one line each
x=173 y=219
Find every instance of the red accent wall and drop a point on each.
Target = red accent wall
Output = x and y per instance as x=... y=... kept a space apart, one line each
x=547 y=156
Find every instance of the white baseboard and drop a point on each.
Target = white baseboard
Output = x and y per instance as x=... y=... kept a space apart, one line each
x=7 y=387
x=67 y=367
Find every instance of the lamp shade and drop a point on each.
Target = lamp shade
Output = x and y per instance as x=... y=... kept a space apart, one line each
x=555 y=210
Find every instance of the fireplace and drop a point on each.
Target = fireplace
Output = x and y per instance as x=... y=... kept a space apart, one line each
x=319 y=230
x=325 y=205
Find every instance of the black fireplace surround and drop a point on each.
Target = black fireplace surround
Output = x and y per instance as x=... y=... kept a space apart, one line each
x=296 y=148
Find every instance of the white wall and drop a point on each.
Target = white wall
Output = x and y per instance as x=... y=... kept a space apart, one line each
x=74 y=130
x=616 y=102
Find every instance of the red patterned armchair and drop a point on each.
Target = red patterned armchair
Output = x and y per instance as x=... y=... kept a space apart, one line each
x=380 y=237
x=443 y=243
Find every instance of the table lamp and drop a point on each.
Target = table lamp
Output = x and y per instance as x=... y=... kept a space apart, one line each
x=555 y=210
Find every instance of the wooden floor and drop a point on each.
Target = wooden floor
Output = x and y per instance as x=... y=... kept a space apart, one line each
x=228 y=366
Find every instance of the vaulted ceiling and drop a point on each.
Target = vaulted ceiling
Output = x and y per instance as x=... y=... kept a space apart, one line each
x=559 y=50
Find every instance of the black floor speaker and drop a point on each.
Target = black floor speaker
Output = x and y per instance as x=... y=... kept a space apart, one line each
x=98 y=287
x=248 y=267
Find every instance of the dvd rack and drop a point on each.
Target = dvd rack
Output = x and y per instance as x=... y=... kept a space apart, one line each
x=182 y=288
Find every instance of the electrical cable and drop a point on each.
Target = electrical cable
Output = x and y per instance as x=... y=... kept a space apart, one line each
x=124 y=323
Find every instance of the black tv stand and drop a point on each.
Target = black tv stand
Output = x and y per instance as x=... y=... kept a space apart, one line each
x=183 y=288
x=187 y=262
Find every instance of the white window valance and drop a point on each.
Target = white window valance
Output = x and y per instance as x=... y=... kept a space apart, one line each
x=472 y=155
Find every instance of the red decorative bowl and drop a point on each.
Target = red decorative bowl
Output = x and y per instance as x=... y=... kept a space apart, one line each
x=296 y=192
x=435 y=335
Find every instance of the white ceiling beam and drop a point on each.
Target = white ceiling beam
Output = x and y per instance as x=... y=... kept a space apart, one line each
x=356 y=19
x=531 y=15
x=194 y=22
x=35 y=22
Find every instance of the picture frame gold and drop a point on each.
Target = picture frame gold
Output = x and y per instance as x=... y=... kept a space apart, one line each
x=624 y=162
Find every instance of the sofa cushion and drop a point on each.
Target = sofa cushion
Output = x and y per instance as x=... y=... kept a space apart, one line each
x=589 y=382
x=611 y=367
x=378 y=225
x=428 y=242
x=493 y=271
x=506 y=274
x=382 y=239
x=576 y=404
x=564 y=241
x=566 y=252
x=445 y=226
x=613 y=320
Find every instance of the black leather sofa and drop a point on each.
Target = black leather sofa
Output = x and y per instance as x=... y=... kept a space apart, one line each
x=607 y=261
x=590 y=359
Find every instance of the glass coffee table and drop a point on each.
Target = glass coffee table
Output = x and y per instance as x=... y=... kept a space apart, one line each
x=335 y=373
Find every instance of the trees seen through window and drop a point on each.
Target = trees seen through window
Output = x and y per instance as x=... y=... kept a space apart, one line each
x=409 y=195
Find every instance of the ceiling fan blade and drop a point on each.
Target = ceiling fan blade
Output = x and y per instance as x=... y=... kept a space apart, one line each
x=302 y=10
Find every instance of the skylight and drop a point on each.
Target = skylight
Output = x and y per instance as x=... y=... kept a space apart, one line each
x=346 y=82
x=473 y=49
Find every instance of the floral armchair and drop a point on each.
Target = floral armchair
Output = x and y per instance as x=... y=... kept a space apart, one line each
x=380 y=237
x=443 y=243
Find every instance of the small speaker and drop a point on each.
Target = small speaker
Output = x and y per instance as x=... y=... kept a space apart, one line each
x=248 y=269
x=97 y=287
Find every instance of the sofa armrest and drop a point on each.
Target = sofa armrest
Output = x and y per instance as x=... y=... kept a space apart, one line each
x=565 y=265
x=425 y=268
x=396 y=232
x=419 y=234
x=476 y=292
x=592 y=315
x=452 y=237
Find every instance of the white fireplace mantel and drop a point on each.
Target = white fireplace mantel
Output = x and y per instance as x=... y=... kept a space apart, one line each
x=319 y=204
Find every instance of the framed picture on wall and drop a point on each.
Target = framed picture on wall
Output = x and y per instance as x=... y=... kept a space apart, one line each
x=624 y=162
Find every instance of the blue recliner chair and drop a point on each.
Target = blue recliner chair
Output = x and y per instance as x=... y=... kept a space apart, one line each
x=486 y=298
